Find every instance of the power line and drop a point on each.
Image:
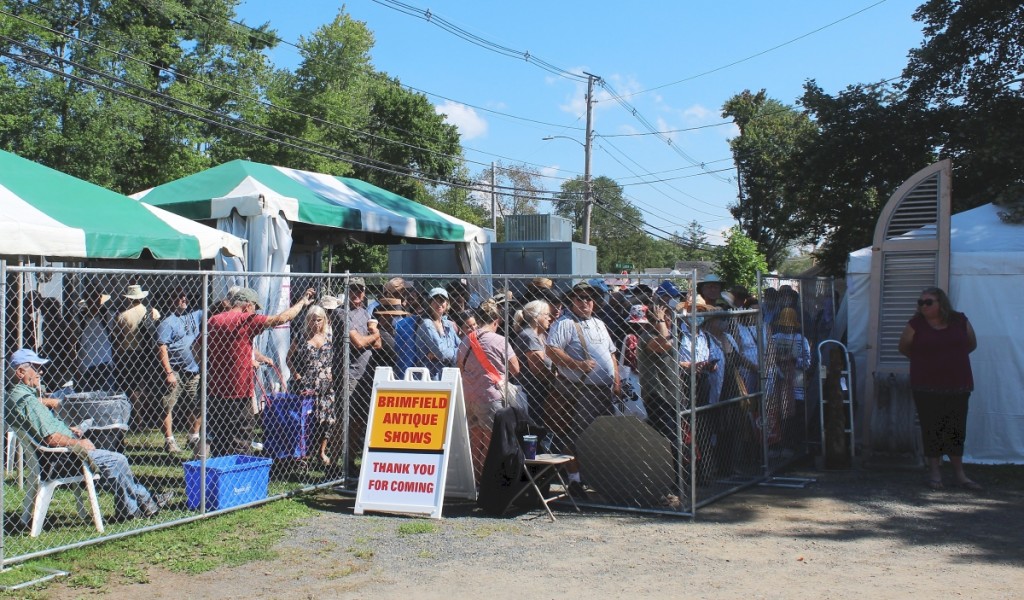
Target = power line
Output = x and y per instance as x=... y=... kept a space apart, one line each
x=472 y=38
x=761 y=53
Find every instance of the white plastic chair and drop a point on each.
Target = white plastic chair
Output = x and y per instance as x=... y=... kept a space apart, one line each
x=39 y=491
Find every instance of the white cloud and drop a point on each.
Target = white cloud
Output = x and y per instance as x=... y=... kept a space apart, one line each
x=698 y=115
x=470 y=124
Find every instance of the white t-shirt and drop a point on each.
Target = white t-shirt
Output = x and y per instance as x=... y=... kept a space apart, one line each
x=565 y=336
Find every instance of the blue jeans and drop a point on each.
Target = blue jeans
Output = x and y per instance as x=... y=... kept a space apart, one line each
x=131 y=498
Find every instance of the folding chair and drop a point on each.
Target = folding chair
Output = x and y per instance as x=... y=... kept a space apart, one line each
x=42 y=481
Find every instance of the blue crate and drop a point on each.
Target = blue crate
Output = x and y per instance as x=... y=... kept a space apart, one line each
x=230 y=481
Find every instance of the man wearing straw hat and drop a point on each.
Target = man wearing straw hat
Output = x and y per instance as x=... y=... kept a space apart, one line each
x=134 y=364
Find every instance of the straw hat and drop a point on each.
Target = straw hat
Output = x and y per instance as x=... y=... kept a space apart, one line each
x=329 y=302
x=391 y=307
x=135 y=292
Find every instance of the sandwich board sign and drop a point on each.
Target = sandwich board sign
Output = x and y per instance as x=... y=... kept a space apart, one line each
x=417 y=444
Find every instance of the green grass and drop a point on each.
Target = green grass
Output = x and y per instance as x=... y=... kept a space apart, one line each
x=228 y=540
x=417 y=527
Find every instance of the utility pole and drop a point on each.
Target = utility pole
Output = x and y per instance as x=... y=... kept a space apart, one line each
x=588 y=186
x=494 y=199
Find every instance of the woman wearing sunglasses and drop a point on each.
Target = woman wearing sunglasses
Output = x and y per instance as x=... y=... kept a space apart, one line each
x=938 y=341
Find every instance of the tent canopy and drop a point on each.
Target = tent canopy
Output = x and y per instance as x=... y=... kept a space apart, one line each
x=44 y=212
x=303 y=197
x=986 y=267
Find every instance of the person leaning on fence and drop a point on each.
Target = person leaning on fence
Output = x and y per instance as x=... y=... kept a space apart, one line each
x=581 y=349
x=175 y=336
x=352 y=325
x=309 y=360
x=25 y=409
x=231 y=422
x=134 y=375
x=482 y=382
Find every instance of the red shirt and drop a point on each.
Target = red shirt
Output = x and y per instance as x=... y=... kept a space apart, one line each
x=230 y=353
x=940 y=358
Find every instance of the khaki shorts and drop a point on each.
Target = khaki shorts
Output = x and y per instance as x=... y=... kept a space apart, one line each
x=185 y=395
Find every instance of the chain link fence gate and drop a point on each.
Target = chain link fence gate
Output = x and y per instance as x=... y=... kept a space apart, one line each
x=277 y=396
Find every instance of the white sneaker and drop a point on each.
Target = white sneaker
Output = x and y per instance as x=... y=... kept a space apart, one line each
x=171 y=446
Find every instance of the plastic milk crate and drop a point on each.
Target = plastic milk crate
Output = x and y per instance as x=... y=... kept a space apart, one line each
x=230 y=481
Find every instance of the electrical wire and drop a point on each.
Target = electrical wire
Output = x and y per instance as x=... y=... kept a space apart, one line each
x=472 y=38
x=753 y=56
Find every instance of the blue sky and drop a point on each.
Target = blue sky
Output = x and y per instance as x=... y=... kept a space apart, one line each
x=675 y=62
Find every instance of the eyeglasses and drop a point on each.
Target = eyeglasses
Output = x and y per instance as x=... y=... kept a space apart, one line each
x=583 y=299
x=925 y=302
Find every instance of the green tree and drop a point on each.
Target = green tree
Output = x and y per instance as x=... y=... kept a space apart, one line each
x=694 y=242
x=615 y=224
x=871 y=141
x=969 y=72
x=71 y=107
x=771 y=195
x=740 y=260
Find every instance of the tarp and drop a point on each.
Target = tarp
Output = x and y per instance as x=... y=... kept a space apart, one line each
x=303 y=197
x=44 y=212
x=986 y=280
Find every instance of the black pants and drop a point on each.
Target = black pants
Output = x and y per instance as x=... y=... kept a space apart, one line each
x=943 y=420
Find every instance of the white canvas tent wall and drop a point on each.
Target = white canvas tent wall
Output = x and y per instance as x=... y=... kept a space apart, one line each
x=986 y=281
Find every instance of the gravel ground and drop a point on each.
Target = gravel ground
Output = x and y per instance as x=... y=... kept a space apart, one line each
x=851 y=534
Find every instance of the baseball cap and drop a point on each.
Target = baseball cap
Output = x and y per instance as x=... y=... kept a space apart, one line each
x=26 y=356
x=438 y=291
x=248 y=295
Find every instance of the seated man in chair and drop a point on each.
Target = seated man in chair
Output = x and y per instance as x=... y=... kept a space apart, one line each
x=25 y=410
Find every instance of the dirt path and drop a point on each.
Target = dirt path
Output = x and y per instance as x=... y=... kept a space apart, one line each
x=858 y=534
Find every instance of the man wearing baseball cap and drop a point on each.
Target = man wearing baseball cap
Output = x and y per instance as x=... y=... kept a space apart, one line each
x=230 y=421
x=25 y=411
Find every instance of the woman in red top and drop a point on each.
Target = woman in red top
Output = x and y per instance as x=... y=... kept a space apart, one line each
x=938 y=341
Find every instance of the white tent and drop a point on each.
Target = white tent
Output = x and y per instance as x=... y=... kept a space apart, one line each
x=987 y=284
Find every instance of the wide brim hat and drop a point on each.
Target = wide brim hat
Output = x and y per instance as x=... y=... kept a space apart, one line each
x=135 y=292
x=710 y=278
x=541 y=282
x=329 y=302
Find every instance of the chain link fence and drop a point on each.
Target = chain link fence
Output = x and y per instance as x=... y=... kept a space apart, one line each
x=223 y=389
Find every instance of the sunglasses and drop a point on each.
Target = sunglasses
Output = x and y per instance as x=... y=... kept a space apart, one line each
x=926 y=302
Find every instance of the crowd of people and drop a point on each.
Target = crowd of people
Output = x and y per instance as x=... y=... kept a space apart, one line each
x=565 y=349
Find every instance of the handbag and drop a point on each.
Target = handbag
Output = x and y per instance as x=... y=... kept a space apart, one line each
x=512 y=394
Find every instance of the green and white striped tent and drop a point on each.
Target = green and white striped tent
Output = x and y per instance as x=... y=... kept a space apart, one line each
x=252 y=188
x=44 y=212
